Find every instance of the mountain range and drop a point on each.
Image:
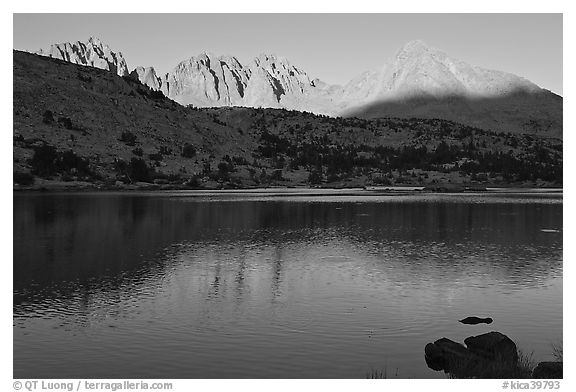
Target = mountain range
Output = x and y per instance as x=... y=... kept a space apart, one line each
x=78 y=126
x=419 y=81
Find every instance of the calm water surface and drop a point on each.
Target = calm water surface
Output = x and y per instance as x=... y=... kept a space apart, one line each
x=203 y=285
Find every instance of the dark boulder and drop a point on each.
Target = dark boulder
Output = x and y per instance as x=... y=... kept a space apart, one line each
x=493 y=345
x=434 y=357
x=445 y=354
x=547 y=370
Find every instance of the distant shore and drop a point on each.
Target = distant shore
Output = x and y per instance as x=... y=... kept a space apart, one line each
x=61 y=186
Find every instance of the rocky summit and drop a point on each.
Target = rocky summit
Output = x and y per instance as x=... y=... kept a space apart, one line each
x=419 y=70
x=424 y=82
x=92 y=53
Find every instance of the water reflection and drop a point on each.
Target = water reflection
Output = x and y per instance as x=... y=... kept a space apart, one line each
x=273 y=287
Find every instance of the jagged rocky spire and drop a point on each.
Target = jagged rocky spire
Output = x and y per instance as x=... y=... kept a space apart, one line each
x=92 y=53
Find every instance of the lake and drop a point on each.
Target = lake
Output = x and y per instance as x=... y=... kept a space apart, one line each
x=277 y=284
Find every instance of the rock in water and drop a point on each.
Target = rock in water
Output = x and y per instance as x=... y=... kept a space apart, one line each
x=473 y=320
x=493 y=345
x=548 y=370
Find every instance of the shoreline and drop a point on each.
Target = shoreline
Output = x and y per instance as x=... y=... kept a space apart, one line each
x=77 y=188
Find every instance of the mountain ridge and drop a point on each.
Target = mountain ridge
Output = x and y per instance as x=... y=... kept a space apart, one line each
x=417 y=72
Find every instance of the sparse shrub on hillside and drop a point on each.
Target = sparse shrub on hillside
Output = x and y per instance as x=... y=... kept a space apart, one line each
x=156 y=94
x=218 y=121
x=134 y=171
x=271 y=145
x=164 y=150
x=278 y=162
x=251 y=173
x=84 y=78
x=141 y=90
x=68 y=161
x=293 y=164
x=47 y=161
x=263 y=177
x=277 y=175
x=315 y=177
x=21 y=178
x=193 y=182
x=332 y=176
x=67 y=177
x=66 y=122
x=239 y=161
x=223 y=174
x=382 y=180
x=174 y=178
x=206 y=168
x=157 y=157
x=225 y=168
x=43 y=160
x=48 y=117
x=128 y=138
x=130 y=79
x=188 y=151
x=121 y=168
x=138 y=170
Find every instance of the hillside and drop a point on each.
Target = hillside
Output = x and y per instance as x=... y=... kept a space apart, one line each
x=82 y=126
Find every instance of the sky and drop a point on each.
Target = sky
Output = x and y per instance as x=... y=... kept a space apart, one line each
x=332 y=47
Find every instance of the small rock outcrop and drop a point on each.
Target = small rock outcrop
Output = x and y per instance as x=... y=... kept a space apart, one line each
x=548 y=370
